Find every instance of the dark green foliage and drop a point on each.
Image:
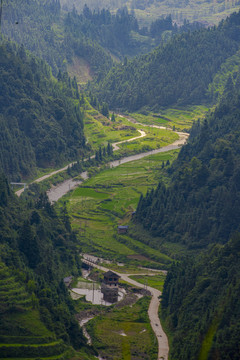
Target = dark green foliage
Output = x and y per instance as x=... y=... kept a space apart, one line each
x=200 y=304
x=39 y=26
x=105 y=110
x=38 y=249
x=102 y=154
x=41 y=121
x=158 y=26
x=113 y=117
x=30 y=23
x=200 y=209
x=112 y=32
x=202 y=203
x=177 y=73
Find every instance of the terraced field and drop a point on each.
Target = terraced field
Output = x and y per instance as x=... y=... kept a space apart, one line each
x=22 y=333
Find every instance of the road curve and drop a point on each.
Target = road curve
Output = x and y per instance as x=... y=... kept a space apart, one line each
x=115 y=145
x=56 y=192
x=163 y=347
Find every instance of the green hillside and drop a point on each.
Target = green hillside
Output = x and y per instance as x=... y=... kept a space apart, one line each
x=178 y=73
x=37 y=250
x=41 y=119
x=22 y=333
x=200 y=305
x=204 y=178
x=148 y=10
x=199 y=210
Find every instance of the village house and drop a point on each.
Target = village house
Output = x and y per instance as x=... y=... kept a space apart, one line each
x=109 y=287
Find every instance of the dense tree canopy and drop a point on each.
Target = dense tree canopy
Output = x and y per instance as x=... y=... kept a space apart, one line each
x=200 y=304
x=177 y=73
x=37 y=250
x=41 y=120
x=200 y=210
x=202 y=203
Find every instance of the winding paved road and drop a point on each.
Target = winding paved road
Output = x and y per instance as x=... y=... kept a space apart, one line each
x=163 y=347
x=56 y=192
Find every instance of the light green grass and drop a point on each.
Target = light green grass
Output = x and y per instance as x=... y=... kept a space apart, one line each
x=138 y=342
x=99 y=130
x=155 y=281
x=108 y=200
x=90 y=193
x=174 y=118
x=208 y=340
x=183 y=118
x=154 y=139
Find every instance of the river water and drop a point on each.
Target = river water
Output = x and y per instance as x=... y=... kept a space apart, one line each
x=56 y=192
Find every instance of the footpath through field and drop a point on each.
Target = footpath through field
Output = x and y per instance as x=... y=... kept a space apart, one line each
x=163 y=347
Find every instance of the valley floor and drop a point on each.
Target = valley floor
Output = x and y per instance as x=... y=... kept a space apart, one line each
x=163 y=347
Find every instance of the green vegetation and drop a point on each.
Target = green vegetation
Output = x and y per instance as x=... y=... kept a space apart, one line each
x=148 y=11
x=198 y=210
x=108 y=200
x=155 y=281
x=188 y=211
x=154 y=139
x=176 y=74
x=99 y=130
x=205 y=176
x=124 y=332
x=41 y=118
x=38 y=249
x=206 y=314
x=228 y=71
x=176 y=119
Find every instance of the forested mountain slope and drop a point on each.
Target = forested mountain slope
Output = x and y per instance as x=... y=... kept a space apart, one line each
x=41 y=119
x=202 y=203
x=177 y=73
x=39 y=26
x=37 y=250
x=58 y=37
x=200 y=304
x=200 y=210
x=148 y=10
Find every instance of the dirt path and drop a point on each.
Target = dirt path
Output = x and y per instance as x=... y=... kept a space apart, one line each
x=163 y=347
x=115 y=145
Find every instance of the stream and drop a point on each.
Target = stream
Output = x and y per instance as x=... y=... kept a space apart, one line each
x=56 y=192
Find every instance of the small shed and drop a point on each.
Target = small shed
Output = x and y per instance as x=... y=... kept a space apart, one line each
x=122 y=229
x=110 y=278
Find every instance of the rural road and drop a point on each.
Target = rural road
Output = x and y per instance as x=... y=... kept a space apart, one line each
x=115 y=145
x=56 y=192
x=163 y=347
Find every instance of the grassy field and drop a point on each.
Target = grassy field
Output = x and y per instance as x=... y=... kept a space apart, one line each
x=124 y=333
x=155 y=281
x=99 y=131
x=178 y=118
x=108 y=200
